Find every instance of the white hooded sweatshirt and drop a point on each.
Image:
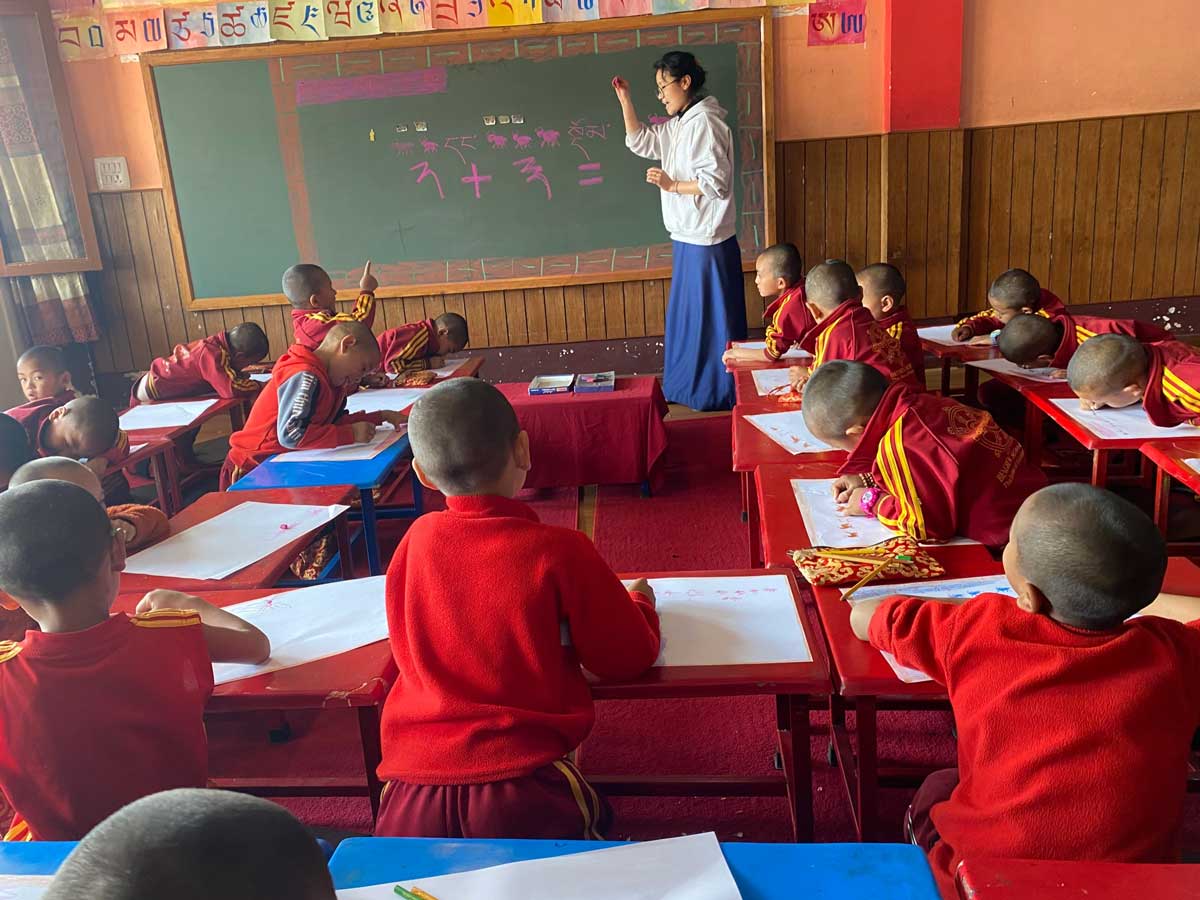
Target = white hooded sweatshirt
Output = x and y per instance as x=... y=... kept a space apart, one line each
x=696 y=146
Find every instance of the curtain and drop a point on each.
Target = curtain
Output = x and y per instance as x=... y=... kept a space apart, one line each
x=38 y=218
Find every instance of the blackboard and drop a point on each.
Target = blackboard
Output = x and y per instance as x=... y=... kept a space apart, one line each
x=486 y=164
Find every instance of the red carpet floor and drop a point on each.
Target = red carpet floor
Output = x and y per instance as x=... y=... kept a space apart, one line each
x=692 y=523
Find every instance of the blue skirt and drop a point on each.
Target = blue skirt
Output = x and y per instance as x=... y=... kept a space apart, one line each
x=706 y=310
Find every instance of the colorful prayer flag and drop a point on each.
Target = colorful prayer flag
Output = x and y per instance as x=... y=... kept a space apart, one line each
x=396 y=16
x=837 y=22
x=80 y=35
x=132 y=31
x=297 y=20
x=191 y=26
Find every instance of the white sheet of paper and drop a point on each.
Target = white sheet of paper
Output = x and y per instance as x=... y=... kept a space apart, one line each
x=231 y=541
x=792 y=353
x=827 y=527
x=134 y=448
x=24 y=887
x=383 y=438
x=939 y=334
x=965 y=588
x=1121 y=424
x=683 y=868
x=788 y=430
x=767 y=380
x=1045 y=375
x=163 y=415
x=1193 y=464
x=451 y=366
x=384 y=400
x=312 y=623
x=260 y=377
x=720 y=621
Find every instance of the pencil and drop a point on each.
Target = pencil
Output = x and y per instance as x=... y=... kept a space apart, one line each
x=407 y=895
x=874 y=572
x=423 y=895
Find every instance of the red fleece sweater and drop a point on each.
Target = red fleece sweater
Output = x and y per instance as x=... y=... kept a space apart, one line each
x=490 y=615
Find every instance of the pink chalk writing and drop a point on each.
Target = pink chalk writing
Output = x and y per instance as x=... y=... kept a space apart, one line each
x=534 y=172
x=371 y=87
x=549 y=137
x=427 y=172
x=475 y=179
x=403 y=148
x=581 y=131
x=522 y=141
x=430 y=146
x=498 y=141
x=458 y=144
x=590 y=167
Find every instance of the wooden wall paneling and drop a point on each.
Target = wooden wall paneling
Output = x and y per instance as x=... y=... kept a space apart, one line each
x=813 y=249
x=1062 y=216
x=1000 y=206
x=1146 y=222
x=102 y=286
x=1128 y=184
x=791 y=206
x=576 y=318
x=514 y=315
x=1020 y=222
x=857 y=241
x=894 y=209
x=279 y=337
x=614 y=310
x=876 y=251
x=1167 y=240
x=475 y=312
x=656 y=293
x=1041 y=199
x=1188 y=242
x=497 y=321
x=916 y=220
x=556 y=315
x=1083 y=221
x=179 y=320
x=634 y=301
x=956 y=243
x=593 y=311
x=979 y=188
x=937 y=296
x=535 y=315
x=1105 y=233
x=142 y=259
x=836 y=201
x=128 y=296
x=414 y=310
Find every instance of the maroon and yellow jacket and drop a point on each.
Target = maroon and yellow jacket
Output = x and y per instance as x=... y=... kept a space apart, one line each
x=985 y=321
x=311 y=327
x=900 y=326
x=1077 y=329
x=788 y=319
x=850 y=333
x=408 y=346
x=194 y=370
x=1173 y=391
x=34 y=415
x=945 y=469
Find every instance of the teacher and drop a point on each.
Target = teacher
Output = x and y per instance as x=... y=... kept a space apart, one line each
x=707 y=307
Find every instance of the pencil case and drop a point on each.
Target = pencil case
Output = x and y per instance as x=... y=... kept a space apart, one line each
x=826 y=566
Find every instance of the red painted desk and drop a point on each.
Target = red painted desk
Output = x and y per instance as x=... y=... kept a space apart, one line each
x=1037 y=879
x=358 y=680
x=159 y=452
x=616 y=437
x=781 y=527
x=792 y=685
x=172 y=500
x=949 y=354
x=266 y=571
x=764 y=363
x=1170 y=459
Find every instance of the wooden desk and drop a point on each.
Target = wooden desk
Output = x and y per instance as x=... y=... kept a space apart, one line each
x=1039 y=879
x=1169 y=457
x=792 y=685
x=359 y=679
x=268 y=570
x=949 y=354
x=160 y=453
x=781 y=527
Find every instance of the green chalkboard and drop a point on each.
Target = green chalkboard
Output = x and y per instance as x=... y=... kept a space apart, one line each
x=447 y=164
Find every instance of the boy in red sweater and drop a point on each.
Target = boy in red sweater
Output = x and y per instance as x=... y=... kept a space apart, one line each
x=779 y=277
x=883 y=291
x=422 y=345
x=1038 y=342
x=1117 y=371
x=920 y=463
x=43 y=373
x=1074 y=721
x=210 y=365
x=1013 y=293
x=84 y=428
x=130 y=691
x=490 y=616
x=191 y=843
x=313 y=297
x=845 y=329
x=302 y=407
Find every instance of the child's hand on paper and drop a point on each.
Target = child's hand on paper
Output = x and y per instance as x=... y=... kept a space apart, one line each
x=395 y=419
x=853 y=503
x=362 y=431
x=642 y=586
x=984 y=340
x=844 y=486
x=798 y=377
x=368 y=283
x=436 y=362
x=962 y=333
x=374 y=380
x=161 y=599
x=1089 y=405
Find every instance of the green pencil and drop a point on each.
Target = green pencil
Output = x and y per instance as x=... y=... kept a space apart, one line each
x=406 y=894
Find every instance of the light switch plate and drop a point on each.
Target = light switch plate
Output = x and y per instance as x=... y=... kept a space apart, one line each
x=112 y=173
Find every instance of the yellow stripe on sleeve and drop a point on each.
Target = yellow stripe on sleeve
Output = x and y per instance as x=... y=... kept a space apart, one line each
x=899 y=480
x=167 y=618
x=589 y=830
x=1179 y=391
x=8 y=649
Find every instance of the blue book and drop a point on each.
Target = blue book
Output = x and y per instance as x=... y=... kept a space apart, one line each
x=551 y=384
x=595 y=382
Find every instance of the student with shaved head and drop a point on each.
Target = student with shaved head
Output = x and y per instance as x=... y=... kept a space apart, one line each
x=490 y=616
x=779 y=277
x=1013 y=293
x=920 y=463
x=43 y=373
x=1074 y=721
x=313 y=297
x=302 y=407
x=1116 y=371
x=1050 y=342
x=844 y=328
x=189 y=844
x=883 y=291
x=96 y=709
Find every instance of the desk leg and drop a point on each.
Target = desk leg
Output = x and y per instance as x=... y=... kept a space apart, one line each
x=166 y=481
x=746 y=476
x=368 y=732
x=1100 y=460
x=237 y=417
x=794 y=747
x=753 y=524
x=1162 y=501
x=370 y=534
x=1033 y=434
x=945 y=378
x=971 y=384
x=341 y=533
x=867 y=764
x=418 y=492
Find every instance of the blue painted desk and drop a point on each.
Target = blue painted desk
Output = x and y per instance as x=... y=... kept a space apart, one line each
x=762 y=871
x=33 y=857
x=365 y=475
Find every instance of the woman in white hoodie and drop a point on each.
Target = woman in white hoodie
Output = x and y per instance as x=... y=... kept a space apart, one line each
x=707 y=307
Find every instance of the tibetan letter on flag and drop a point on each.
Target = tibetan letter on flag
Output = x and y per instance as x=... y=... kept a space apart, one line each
x=573 y=10
x=80 y=35
x=191 y=26
x=452 y=14
x=132 y=31
x=837 y=22
x=351 y=18
x=243 y=23
x=297 y=20
x=397 y=16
